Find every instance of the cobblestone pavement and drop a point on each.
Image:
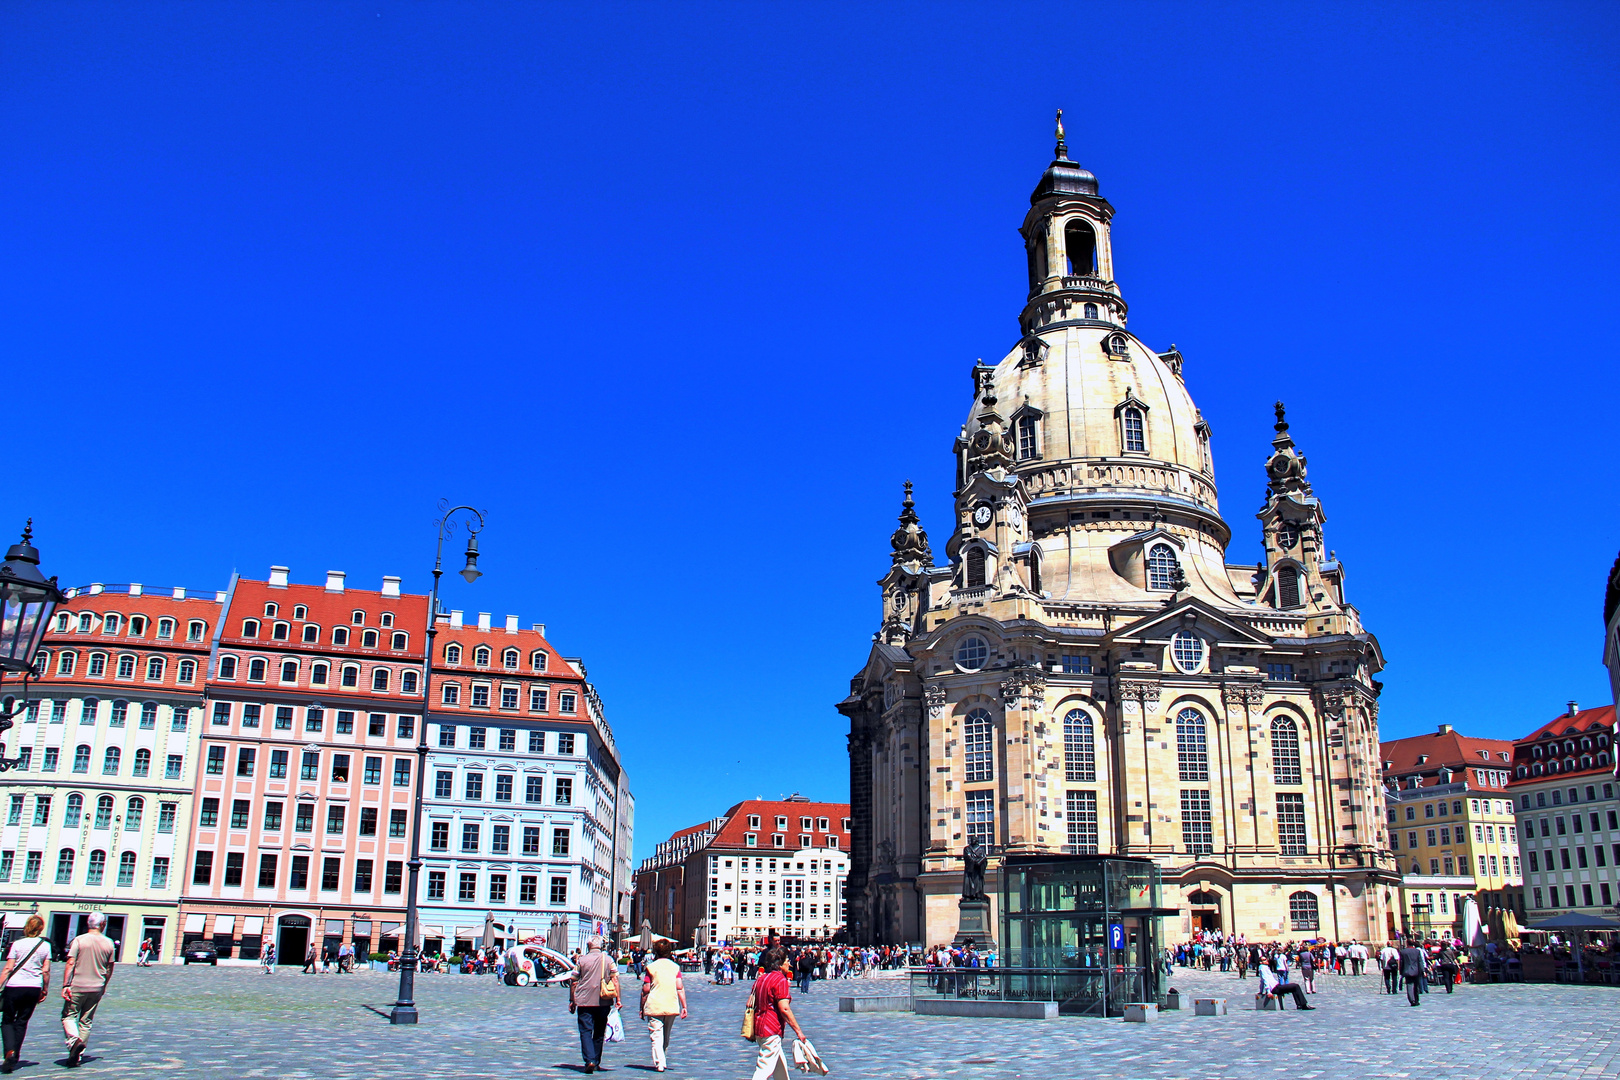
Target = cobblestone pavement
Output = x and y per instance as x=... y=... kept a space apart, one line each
x=216 y=1023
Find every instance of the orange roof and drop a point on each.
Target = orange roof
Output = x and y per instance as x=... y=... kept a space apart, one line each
x=111 y=647
x=1446 y=748
x=324 y=608
x=734 y=833
x=1576 y=738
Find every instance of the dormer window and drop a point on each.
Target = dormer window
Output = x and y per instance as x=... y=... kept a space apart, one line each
x=452 y=654
x=109 y=624
x=250 y=627
x=368 y=639
x=538 y=659
x=973 y=568
x=1028 y=449
x=270 y=611
x=195 y=630
x=509 y=659
x=84 y=622
x=1288 y=587
x=1162 y=565
x=386 y=619
x=280 y=631
x=165 y=628
x=137 y=626
x=340 y=635
x=1133 y=435
x=481 y=656
x=300 y=611
x=358 y=618
x=312 y=633
x=1116 y=345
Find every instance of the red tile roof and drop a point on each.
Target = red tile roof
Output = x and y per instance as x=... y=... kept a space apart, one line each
x=155 y=607
x=1448 y=749
x=734 y=833
x=1593 y=726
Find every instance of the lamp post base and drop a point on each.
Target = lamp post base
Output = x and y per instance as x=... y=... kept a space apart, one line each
x=402 y=1014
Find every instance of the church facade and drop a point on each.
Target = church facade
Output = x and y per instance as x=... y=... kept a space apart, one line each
x=1083 y=671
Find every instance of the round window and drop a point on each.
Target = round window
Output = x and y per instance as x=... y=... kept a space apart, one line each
x=972 y=653
x=1187 y=650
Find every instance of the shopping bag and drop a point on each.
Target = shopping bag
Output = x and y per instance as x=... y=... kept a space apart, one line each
x=805 y=1059
x=615 y=1026
x=748 y=1019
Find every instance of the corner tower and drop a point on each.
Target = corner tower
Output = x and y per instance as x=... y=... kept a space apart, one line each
x=1084 y=671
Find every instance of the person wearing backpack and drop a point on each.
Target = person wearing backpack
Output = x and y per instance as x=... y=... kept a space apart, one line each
x=27 y=980
x=591 y=996
x=769 y=1007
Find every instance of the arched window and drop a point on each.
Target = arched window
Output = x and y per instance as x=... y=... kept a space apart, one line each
x=1079 y=748
x=65 y=662
x=98 y=665
x=1161 y=567
x=450 y=693
x=400 y=640
x=971 y=653
x=227 y=667
x=64 y=866
x=538 y=660
x=96 y=869
x=109 y=624
x=143 y=763
x=1133 y=435
x=88 y=710
x=340 y=635
x=165 y=628
x=1285 y=752
x=452 y=654
x=407 y=682
x=1091 y=311
x=1037 y=258
x=280 y=631
x=126 y=667
x=132 y=812
x=300 y=612
x=75 y=807
x=1026 y=438
x=271 y=611
x=126 y=869
x=1288 y=587
x=109 y=761
x=351 y=675
x=386 y=619
x=195 y=630
x=358 y=618
x=154 y=669
x=149 y=714
x=379 y=678
x=1192 y=745
x=481 y=656
x=186 y=672
x=1302 y=914
x=977 y=748
x=318 y=674
x=104 y=807
x=250 y=627
x=81 y=759
x=256 y=668
x=1080 y=248
x=137 y=625
x=973 y=563
x=312 y=633
x=368 y=639
x=509 y=659
x=289 y=671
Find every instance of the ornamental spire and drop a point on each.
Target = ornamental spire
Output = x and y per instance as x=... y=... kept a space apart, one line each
x=909 y=542
x=1062 y=151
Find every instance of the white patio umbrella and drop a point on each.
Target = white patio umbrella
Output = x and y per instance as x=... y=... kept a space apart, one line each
x=1473 y=931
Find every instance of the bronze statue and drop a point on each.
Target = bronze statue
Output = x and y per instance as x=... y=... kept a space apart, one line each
x=974 y=859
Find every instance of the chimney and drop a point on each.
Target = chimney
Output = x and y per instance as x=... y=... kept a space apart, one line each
x=511 y=624
x=1573 y=708
x=540 y=628
x=455 y=619
x=1445 y=729
x=219 y=596
x=334 y=580
x=483 y=620
x=391 y=587
x=278 y=577
x=135 y=590
x=95 y=588
x=179 y=592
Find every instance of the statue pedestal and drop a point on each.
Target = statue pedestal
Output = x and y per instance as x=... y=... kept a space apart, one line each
x=973 y=924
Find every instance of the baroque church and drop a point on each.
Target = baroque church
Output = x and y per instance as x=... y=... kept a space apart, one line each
x=1084 y=672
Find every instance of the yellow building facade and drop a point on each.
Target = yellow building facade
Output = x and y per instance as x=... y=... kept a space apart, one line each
x=1083 y=671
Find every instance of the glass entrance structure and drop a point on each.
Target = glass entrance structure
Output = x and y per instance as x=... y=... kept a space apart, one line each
x=1082 y=930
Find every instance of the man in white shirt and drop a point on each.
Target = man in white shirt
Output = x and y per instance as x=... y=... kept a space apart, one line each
x=1358 y=957
x=1275 y=987
x=1389 y=960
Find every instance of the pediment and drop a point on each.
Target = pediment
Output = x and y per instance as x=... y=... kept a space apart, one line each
x=1206 y=617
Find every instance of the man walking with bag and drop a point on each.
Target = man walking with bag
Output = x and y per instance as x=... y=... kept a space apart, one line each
x=772 y=1004
x=89 y=970
x=591 y=996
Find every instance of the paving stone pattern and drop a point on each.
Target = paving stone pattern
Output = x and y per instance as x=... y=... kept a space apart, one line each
x=213 y=1023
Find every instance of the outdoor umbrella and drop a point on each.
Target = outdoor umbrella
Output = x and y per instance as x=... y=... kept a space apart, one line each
x=1473 y=934
x=1510 y=928
x=1577 y=924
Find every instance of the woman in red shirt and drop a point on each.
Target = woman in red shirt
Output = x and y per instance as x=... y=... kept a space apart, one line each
x=772 y=1008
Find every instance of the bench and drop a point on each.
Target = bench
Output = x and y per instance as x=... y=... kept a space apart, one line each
x=1209 y=1006
x=1141 y=1012
x=1266 y=1003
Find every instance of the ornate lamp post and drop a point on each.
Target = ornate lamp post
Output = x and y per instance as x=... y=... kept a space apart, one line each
x=404 y=1011
x=27 y=601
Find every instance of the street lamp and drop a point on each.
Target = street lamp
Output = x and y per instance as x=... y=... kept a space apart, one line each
x=27 y=601
x=404 y=1010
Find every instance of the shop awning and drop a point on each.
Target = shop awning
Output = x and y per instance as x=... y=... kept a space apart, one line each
x=194 y=922
x=224 y=924
x=334 y=927
x=433 y=931
x=253 y=924
x=467 y=931
x=362 y=928
x=391 y=929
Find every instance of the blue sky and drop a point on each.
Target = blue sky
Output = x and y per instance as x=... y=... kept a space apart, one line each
x=681 y=294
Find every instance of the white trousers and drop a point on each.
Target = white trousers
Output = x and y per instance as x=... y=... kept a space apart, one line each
x=771 y=1062
x=660 y=1028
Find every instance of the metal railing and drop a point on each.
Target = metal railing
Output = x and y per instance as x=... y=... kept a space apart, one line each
x=1093 y=991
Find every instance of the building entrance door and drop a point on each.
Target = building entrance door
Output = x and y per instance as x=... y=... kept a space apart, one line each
x=115 y=930
x=153 y=932
x=292 y=939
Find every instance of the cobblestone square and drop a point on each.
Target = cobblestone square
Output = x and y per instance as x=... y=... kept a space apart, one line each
x=234 y=1022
